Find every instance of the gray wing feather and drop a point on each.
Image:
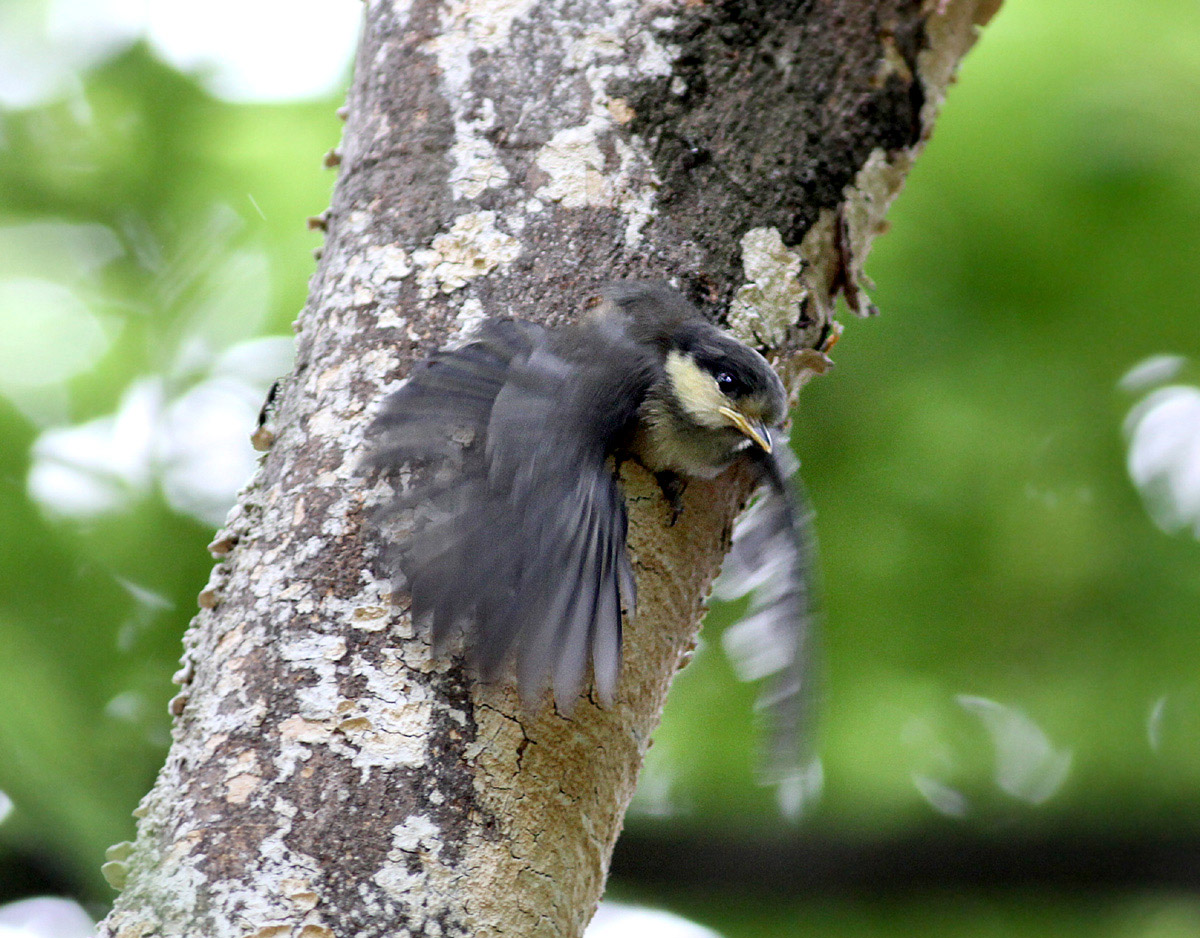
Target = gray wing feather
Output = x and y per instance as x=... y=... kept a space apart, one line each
x=515 y=533
x=772 y=559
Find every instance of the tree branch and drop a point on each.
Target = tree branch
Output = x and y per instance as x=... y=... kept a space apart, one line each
x=503 y=157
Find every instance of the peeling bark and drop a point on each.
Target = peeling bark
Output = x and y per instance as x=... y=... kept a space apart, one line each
x=504 y=157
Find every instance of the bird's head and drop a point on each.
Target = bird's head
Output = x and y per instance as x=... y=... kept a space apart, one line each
x=718 y=383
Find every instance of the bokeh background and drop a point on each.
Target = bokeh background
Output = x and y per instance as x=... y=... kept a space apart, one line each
x=1005 y=465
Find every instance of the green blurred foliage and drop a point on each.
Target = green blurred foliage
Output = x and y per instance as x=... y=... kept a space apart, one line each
x=980 y=535
x=91 y=614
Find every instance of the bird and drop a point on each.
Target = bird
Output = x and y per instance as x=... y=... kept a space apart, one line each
x=507 y=526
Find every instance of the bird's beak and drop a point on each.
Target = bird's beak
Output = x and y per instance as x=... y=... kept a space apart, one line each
x=756 y=431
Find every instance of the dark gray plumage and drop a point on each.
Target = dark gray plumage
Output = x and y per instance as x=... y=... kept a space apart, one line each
x=772 y=561
x=511 y=529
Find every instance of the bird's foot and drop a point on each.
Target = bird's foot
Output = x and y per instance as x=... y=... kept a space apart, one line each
x=672 y=486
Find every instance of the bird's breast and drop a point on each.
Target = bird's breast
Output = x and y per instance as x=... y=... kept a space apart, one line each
x=666 y=441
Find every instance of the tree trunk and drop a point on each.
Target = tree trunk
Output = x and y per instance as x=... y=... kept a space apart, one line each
x=504 y=157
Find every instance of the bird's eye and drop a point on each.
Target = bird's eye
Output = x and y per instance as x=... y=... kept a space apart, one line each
x=724 y=381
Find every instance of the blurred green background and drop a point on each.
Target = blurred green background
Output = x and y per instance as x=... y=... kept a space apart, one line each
x=1005 y=465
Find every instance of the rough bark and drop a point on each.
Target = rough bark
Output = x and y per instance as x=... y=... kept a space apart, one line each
x=504 y=157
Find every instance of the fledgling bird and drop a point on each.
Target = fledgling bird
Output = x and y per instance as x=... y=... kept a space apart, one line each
x=511 y=532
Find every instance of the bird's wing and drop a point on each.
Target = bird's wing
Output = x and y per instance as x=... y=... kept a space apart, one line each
x=516 y=529
x=772 y=559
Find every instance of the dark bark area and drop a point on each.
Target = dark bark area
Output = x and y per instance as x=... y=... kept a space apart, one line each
x=780 y=106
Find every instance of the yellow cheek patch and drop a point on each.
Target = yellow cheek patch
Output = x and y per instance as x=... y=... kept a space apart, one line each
x=696 y=391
